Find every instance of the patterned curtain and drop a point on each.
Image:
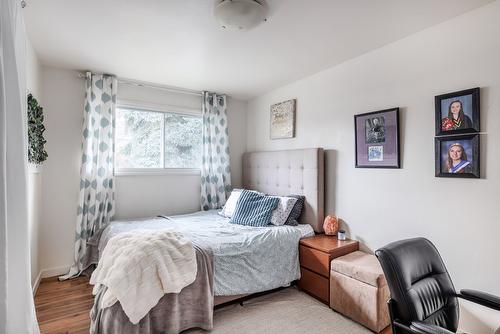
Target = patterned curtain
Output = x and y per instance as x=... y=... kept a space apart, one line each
x=215 y=170
x=96 y=203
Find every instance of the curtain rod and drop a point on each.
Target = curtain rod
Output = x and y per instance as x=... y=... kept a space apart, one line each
x=150 y=85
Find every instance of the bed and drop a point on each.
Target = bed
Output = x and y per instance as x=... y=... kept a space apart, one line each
x=233 y=260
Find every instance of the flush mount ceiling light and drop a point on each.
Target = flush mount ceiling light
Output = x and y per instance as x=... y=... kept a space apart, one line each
x=240 y=14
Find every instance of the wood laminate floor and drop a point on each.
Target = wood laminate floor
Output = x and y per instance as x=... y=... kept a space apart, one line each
x=64 y=307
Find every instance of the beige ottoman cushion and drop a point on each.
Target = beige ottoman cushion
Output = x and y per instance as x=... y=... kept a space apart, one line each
x=358 y=290
x=360 y=266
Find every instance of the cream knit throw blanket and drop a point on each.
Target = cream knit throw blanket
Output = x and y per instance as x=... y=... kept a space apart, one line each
x=140 y=266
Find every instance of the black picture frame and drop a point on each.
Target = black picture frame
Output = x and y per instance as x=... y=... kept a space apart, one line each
x=376 y=137
x=469 y=103
x=469 y=144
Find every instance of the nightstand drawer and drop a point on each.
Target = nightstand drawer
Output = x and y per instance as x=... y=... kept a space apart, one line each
x=315 y=260
x=315 y=285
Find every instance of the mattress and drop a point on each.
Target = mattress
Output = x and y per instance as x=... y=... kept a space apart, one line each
x=246 y=259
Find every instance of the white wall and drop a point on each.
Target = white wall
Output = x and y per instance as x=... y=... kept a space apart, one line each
x=136 y=196
x=460 y=216
x=63 y=95
x=34 y=85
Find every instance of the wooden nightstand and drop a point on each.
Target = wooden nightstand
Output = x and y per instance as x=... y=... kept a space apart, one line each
x=315 y=255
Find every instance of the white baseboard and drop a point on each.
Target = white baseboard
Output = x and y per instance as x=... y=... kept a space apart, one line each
x=37 y=283
x=46 y=273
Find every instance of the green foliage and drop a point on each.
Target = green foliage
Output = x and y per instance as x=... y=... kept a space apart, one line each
x=36 y=151
x=183 y=141
x=139 y=136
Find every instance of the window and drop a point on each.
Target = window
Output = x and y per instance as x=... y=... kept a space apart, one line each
x=149 y=140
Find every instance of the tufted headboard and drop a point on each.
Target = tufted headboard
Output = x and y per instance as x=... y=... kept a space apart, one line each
x=291 y=172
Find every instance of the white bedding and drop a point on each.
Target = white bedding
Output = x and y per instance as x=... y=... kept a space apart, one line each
x=246 y=259
x=306 y=230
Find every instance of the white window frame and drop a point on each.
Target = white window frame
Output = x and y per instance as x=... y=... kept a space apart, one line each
x=158 y=108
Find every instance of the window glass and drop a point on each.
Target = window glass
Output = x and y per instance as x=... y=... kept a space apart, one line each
x=151 y=139
x=182 y=141
x=138 y=139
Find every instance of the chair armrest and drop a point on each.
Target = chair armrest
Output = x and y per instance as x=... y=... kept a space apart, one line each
x=406 y=328
x=423 y=328
x=481 y=298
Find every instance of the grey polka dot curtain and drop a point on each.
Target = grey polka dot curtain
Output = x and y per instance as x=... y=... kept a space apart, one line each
x=96 y=203
x=215 y=169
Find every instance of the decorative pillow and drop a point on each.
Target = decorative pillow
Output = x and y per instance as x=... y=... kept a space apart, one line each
x=228 y=209
x=254 y=209
x=283 y=209
x=294 y=216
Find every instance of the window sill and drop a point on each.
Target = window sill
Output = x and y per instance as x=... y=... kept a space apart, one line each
x=156 y=171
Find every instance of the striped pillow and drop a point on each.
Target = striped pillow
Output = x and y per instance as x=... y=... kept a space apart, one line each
x=254 y=209
x=228 y=209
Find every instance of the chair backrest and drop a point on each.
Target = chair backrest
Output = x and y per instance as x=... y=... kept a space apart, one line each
x=419 y=283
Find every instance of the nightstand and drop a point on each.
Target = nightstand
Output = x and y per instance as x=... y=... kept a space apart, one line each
x=315 y=255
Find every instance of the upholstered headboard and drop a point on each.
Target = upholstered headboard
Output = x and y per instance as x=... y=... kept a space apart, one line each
x=291 y=172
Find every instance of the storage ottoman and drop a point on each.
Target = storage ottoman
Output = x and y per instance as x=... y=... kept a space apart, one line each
x=358 y=290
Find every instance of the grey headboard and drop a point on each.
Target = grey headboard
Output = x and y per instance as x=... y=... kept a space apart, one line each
x=297 y=172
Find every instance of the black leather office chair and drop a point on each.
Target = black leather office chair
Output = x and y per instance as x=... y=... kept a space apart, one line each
x=423 y=299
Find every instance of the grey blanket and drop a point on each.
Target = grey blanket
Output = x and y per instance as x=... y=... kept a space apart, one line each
x=192 y=307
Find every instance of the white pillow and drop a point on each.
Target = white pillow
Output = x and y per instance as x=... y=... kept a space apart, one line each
x=228 y=209
x=283 y=209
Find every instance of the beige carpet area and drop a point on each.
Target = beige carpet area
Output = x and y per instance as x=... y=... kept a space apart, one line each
x=287 y=311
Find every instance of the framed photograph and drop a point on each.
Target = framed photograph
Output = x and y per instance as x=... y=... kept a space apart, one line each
x=377 y=139
x=457 y=156
x=283 y=120
x=457 y=112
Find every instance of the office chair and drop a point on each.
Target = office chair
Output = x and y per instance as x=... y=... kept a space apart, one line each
x=423 y=298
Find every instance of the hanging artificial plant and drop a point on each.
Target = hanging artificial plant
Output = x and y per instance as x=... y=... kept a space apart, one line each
x=36 y=151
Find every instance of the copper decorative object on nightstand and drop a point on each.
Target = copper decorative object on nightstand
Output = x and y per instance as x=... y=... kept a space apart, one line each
x=331 y=225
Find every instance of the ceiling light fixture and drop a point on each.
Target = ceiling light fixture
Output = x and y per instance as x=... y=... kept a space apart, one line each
x=240 y=14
